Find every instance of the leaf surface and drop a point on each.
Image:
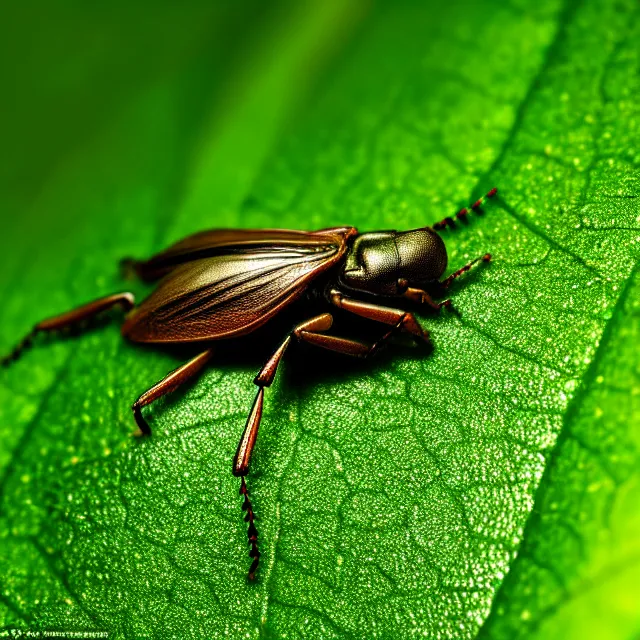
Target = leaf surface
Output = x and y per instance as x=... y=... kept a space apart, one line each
x=393 y=498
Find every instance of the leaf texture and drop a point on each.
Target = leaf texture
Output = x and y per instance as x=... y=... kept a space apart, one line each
x=486 y=489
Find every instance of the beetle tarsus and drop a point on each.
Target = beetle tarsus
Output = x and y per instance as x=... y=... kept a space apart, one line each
x=143 y=425
x=19 y=349
x=168 y=384
x=70 y=321
x=252 y=532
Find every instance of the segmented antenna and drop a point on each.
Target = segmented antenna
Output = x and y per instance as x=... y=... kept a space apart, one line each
x=463 y=213
x=252 y=532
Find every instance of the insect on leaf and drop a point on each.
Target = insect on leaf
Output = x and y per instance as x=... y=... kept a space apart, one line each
x=488 y=489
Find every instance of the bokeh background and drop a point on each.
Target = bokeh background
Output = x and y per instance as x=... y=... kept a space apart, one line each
x=491 y=489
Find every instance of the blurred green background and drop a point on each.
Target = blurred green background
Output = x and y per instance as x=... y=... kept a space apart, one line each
x=489 y=490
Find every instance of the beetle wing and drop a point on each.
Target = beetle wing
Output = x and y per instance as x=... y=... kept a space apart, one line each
x=224 y=241
x=233 y=292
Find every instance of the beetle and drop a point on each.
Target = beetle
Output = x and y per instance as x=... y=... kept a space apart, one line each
x=226 y=283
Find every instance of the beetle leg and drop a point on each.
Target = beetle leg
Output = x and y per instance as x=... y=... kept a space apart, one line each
x=456 y=274
x=71 y=318
x=168 y=384
x=248 y=440
x=346 y=346
x=264 y=379
x=401 y=320
x=420 y=296
x=311 y=332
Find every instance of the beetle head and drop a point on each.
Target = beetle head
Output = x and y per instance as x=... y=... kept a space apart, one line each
x=387 y=262
x=423 y=256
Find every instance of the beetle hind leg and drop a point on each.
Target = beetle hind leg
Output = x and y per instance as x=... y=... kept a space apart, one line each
x=70 y=319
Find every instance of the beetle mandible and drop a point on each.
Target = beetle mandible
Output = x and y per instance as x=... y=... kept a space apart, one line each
x=226 y=283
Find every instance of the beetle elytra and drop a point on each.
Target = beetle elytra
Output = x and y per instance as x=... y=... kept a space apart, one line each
x=226 y=283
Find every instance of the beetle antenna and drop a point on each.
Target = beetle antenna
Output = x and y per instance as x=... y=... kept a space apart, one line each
x=456 y=274
x=464 y=212
x=252 y=532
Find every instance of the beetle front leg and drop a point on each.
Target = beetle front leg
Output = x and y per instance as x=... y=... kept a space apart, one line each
x=399 y=319
x=456 y=274
x=70 y=319
x=419 y=296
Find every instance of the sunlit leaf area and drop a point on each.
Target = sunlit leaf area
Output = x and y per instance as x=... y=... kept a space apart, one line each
x=487 y=488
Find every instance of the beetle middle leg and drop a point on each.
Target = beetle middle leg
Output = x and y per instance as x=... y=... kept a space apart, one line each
x=312 y=332
x=168 y=384
x=248 y=440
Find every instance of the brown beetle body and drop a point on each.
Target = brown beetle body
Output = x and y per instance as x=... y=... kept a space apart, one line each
x=227 y=283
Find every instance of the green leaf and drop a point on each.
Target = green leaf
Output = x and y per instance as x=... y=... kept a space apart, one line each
x=489 y=488
x=576 y=571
